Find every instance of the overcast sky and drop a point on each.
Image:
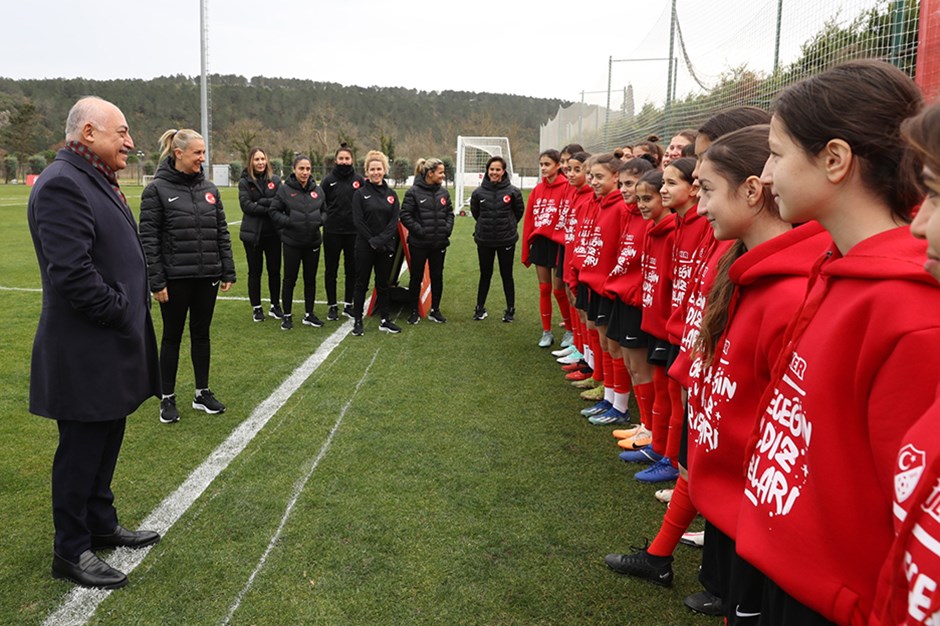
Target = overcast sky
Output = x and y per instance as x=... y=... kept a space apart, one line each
x=532 y=48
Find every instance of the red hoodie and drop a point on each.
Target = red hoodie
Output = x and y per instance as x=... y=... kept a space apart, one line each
x=909 y=587
x=626 y=279
x=541 y=213
x=656 y=294
x=695 y=309
x=863 y=348
x=582 y=210
x=693 y=234
x=769 y=283
x=601 y=252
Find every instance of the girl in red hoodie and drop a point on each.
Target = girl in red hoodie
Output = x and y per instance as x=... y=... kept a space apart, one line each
x=909 y=587
x=816 y=518
x=538 y=229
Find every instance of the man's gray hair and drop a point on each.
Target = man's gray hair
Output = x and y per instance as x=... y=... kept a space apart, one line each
x=87 y=109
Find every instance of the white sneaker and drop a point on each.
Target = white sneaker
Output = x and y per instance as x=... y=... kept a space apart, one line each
x=564 y=351
x=567 y=339
x=574 y=357
x=694 y=539
x=664 y=495
x=547 y=339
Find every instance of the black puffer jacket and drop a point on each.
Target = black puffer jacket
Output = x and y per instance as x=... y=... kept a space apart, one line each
x=297 y=213
x=497 y=208
x=183 y=228
x=339 y=187
x=428 y=214
x=255 y=196
x=375 y=214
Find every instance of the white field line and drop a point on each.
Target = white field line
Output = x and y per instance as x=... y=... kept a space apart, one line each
x=298 y=489
x=230 y=298
x=80 y=604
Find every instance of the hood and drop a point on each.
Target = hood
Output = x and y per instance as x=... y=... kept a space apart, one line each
x=167 y=171
x=295 y=184
x=791 y=254
x=420 y=182
x=891 y=254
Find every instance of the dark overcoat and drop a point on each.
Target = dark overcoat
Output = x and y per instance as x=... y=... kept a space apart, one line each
x=95 y=353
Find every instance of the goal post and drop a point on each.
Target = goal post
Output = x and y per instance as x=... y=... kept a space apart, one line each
x=472 y=155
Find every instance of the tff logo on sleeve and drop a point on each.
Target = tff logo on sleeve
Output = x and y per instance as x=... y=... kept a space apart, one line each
x=391 y=199
x=506 y=199
x=443 y=201
x=910 y=468
x=210 y=198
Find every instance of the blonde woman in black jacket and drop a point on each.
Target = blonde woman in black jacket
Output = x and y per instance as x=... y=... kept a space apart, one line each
x=428 y=214
x=189 y=258
x=256 y=188
x=297 y=213
x=376 y=210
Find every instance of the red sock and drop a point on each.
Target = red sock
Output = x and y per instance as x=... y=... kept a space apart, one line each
x=578 y=330
x=661 y=408
x=608 y=372
x=676 y=521
x=564 y=307
x=621 y=376
x=644 y=395
x=676 y=417
x=545 y=305
x=598 y=356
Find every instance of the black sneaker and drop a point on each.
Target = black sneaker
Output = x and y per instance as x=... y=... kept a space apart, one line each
x=287 y=321
x=706 y=603
x=348 y=311
x=388 y=326
x=509 y=314
x=275 y=312
x=435 y=315
x=257 y=315
x=333 y=313
x=357 y=328
x=205 y=401
x=479 y=313
x=312 y=320
x=414 y=318
x=642 y=564
x=168 y=412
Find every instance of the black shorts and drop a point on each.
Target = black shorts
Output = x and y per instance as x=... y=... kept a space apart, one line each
x=658 y=351
x=543 y=252
x=672 y=356
x=683 y=458
x=634 y=337
x=593 y=303
x=582 y=297
x=604 y=306
x=738 y=583
x=616 y=321
x=560 y=262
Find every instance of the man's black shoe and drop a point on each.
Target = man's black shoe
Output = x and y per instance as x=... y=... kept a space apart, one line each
x=90 y=571
x=121 y=537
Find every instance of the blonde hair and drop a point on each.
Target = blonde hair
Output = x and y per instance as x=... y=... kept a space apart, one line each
x=176 y=139
x=425 y=166
x=376 y=155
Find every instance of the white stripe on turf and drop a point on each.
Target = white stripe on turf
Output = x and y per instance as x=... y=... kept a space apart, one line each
x=298 y=489
x=80 y=604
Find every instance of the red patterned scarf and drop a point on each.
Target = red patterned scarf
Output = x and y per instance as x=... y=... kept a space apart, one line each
x=85 y=152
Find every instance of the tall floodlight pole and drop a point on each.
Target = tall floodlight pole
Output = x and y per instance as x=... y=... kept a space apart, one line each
x=204 y=84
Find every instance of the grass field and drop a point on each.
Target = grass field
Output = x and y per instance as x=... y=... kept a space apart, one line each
x=440 y=476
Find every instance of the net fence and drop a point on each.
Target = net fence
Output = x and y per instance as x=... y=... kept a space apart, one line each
x=701 y=58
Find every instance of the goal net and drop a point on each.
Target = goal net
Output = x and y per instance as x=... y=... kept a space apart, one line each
x=472 y=155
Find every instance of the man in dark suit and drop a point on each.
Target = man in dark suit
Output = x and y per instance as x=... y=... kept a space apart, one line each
x=95 y=354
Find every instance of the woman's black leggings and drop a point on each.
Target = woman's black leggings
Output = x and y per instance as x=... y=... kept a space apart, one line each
x=366 y=260
x=505 y=254
x=335 y=244
x=434 y=257
x=293 y=257
x=195 y=297
x=268 y=250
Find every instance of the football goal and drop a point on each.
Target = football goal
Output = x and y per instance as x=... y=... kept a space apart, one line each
x=472 y=155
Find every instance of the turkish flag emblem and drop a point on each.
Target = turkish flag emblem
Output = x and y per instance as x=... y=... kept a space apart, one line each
x=443 y=201
x=506 y=199
x=271 y=184
x=210 y=198
x=910 y=467
x=391 y=199
x=313 y=194
x=356 y=184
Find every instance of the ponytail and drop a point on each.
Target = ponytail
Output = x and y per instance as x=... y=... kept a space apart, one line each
x=715 y=318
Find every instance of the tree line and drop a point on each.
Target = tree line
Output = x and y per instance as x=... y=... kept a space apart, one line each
x=284 y=116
